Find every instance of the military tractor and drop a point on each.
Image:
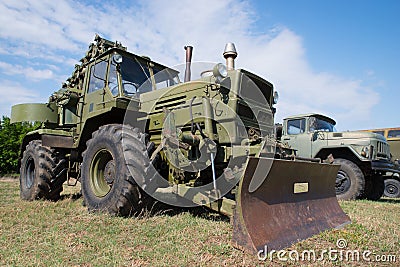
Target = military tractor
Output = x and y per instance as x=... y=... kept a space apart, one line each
x=131 y=132
x=364 y=157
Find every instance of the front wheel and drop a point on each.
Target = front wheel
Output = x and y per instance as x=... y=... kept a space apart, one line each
x=107 y=184
x=350 y=180
x=392 y=188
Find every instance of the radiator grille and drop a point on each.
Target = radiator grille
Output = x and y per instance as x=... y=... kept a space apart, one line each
x=383 y=150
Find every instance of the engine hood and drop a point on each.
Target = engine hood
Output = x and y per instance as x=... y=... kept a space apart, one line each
x=355 y=135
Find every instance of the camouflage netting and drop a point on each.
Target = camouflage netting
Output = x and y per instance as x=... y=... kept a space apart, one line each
x=100 y=46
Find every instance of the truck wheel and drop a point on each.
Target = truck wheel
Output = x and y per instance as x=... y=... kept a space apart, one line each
x=374 y=187
x=392 y=188
x=42 y=173
x=350 y=180
x=107 y=185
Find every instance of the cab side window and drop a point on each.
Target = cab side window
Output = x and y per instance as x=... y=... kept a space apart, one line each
x=97 y=76
x=113 y=79
x=393 y=133
x=297 y=126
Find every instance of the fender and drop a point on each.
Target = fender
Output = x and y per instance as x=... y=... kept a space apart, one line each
x=40 y=112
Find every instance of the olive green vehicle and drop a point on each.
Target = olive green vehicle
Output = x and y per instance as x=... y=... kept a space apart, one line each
x=392 y=180
x=364 y=157
x=131 y=132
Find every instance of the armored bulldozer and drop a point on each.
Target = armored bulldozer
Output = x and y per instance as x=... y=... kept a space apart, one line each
x=130 y=131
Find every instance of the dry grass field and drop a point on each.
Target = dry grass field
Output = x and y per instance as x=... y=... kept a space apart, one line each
x=63 y=233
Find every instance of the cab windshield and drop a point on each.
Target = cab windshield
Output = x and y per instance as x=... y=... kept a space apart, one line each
x=136 y=76
x=317 y=124
x=165 y=77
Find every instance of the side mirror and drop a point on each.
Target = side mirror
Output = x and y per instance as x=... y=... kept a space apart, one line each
x=314 y=136
x=318 y=135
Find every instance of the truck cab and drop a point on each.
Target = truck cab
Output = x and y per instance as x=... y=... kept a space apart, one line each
x=392 y=180
x=364 y=156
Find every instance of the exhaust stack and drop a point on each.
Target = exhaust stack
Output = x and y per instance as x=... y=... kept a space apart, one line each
x=230 y=54
x=189 y=50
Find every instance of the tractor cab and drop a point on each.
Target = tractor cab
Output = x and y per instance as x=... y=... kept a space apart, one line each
x=131 y=75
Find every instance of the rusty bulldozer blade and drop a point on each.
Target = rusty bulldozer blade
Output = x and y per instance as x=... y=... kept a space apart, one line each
x=292 y=201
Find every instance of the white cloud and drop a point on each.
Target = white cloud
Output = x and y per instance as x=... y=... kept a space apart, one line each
x=37 y=52
x=302 y=89
x=55 y=30
x=36 y=22
x=12 y=93
x=28 y=72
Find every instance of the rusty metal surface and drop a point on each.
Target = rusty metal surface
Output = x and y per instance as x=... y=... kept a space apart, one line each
x=274 y=215
x=57 y=141
x=188 y=73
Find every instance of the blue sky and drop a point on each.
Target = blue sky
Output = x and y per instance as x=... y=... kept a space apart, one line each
x=340 y=58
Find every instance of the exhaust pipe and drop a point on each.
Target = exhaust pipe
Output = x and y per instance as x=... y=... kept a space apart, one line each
x=189 y=50
x=230 y=54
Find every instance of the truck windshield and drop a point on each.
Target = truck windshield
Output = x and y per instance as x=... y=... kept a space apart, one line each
x=165 y=77
x=134 y=74
x=317 y=124
x=136 y=77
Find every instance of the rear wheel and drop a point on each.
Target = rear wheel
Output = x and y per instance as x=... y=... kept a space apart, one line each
x=350 y=180
x=392 y=188
x=107 y=184
x=42 y=173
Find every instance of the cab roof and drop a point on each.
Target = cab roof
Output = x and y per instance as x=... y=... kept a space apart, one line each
x=319 y=116
x=122 y=51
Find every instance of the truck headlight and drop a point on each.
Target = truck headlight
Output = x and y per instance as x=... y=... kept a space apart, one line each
x=365 y=152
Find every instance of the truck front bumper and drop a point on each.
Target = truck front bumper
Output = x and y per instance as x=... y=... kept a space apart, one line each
x=386 y=166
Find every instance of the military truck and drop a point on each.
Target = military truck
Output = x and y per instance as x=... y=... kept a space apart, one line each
x=131 y=132
x=364 y=157
x=392 y=180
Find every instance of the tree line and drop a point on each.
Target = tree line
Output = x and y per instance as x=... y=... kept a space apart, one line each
x=11 y=136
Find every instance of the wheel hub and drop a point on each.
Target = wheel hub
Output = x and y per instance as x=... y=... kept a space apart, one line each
x=392 y=189
x=343 y=182
x=102 y=173
x=109 y=172
x=30 y=172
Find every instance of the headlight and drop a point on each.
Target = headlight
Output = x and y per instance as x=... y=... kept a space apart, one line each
x=117 y=59
x=276 y=97
x=219 y=71
x=365 y=152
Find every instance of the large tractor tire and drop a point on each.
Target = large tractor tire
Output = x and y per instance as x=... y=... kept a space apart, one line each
x=107 y=184
x=392 y=188
x=42 y=173
x=374 y=187
x=350 y=180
